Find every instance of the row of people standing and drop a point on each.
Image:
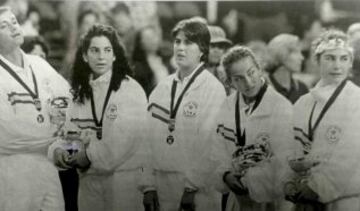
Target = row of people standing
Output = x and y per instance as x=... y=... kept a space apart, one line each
x=196 y=147
x=190 y=153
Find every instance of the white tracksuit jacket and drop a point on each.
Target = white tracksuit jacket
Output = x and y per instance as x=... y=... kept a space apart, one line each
x=186 y=160
x=269 y=126
x=335 y=144
x=28 y=181
x=114 y=178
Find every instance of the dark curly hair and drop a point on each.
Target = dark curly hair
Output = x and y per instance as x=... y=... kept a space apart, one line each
x=196 y=32
x=81 y=70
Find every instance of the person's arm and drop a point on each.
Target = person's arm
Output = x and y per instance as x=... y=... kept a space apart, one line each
x=264 y=181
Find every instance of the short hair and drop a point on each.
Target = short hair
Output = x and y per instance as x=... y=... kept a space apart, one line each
x=120 y=7
x=280 y=46
x=355 y=27
x=196 y=32
x=332 y=38
x=238 y=53
x=84 y=13
x=31 y=41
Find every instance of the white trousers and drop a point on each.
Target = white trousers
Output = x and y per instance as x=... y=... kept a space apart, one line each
x=116 y=192
x=29 y=182
x=170 y=187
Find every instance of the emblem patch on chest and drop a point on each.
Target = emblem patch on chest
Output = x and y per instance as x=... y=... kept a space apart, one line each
x=190 y=109
x=112 y=112
x=333 y=134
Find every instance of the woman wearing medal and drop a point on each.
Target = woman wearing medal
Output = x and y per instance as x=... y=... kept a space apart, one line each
x=326 y=123
x=108 y=112
x=182 y=111
x=28 y=85
x=253 y=133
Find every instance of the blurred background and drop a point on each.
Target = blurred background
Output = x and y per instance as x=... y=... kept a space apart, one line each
x=60 y=24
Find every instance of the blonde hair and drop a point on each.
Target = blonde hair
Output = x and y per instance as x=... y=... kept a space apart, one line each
x=280 y=46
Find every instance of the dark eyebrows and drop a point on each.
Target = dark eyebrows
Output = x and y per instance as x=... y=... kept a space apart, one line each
x=249 y=69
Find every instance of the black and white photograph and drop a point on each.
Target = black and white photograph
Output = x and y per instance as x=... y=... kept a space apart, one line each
x=206 y=105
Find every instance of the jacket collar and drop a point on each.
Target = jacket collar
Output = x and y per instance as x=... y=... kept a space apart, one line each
x=265 y=106
x=103 y=79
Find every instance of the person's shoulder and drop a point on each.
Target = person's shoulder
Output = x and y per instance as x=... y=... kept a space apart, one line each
x=278 y=99
x=212 y=82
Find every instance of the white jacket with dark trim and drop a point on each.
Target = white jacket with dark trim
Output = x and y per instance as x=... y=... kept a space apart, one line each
x=189 y=153
x=269 y=129
x=335 y=144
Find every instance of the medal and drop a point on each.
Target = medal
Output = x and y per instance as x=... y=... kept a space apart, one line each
x=99 y=134
x=99 y=122
x=40 y=118
x=170 y=139
x=37 y=104
x=34 y=94
x=174 y=106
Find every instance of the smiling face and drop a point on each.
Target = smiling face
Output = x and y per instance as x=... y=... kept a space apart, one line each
x=246 y=77
x=100 y=55
x=334 y=65
x=187 y=53
x=11 y=35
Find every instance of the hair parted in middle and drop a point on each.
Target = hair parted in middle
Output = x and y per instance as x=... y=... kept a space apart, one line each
x=196 y=32
x=82 y=71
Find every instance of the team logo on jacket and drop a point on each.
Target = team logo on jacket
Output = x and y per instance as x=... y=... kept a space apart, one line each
x=190 y=109
x=333 y=134
x=112 y=112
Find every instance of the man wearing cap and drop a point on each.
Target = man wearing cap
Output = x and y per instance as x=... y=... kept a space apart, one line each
x=218 y=46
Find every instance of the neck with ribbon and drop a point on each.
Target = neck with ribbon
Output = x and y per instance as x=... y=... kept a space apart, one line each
x=174 y=106
x=99 y=122
x=241 y=137
x=331 y=100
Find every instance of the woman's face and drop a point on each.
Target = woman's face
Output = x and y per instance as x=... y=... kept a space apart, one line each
x=293 y=59
x=100 y=55
x=187 y=53
x=334 y=65
x=150 y=40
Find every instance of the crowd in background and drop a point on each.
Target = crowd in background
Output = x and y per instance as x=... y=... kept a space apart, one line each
x=144 y=31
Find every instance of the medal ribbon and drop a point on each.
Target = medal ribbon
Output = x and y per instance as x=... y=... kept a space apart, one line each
x=34 y=95
x=241 y=138
x=98 y=122
x=174 y=110
x=331 y=100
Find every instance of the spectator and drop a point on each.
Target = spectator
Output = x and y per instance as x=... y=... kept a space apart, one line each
x=286 y=58
x=122 y=22
x=218 y=46
x=35 y=46
x=149 y=66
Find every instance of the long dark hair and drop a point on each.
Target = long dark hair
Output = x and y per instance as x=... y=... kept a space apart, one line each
x=81 y=70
